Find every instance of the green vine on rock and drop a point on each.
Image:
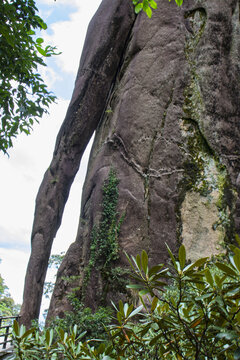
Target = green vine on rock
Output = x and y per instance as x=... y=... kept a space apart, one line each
x=104 y=237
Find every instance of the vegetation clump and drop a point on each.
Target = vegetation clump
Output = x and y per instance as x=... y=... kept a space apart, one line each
x=7 y=304
x=104 y=245
x=104 y=238
x=24 y=97
x=92 y=324
x=187 y=311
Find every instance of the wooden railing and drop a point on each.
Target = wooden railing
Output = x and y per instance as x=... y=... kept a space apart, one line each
x=6 y=323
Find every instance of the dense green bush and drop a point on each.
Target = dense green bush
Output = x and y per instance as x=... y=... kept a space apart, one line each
x=193 y=314
x=91 y=323
x=187 y=311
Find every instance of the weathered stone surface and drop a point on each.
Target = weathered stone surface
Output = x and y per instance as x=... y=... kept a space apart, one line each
x=102 y=55
x=199 y=215
x=171 y=131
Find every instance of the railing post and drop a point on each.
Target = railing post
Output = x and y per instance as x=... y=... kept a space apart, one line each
x=6 y=337
x=7 y=327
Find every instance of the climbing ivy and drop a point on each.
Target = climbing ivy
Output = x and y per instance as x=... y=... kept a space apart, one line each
x=104 y=247
x=104 y=236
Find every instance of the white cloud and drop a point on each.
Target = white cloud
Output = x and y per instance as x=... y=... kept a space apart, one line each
x=61 y=2
x=12 y=269
x=21 y=175
x=50 y=76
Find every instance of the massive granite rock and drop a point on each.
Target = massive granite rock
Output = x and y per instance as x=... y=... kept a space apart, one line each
x=169 y=128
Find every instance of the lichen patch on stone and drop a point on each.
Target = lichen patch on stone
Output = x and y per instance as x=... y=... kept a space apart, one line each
x=199 y=214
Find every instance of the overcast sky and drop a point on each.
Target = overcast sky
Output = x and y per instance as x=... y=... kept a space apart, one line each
x=22 y=172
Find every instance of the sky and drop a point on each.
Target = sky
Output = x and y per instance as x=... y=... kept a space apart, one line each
x=23 y=170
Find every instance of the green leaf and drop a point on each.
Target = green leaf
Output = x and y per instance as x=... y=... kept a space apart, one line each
x=157 y=284
x=171 y=256
x=16 y=328
x=236 y=259
x=144 y=258
x=237 y=239
x=138 y=8
x=39 y=41
x=27 y=333
x=129 y=260
x=145 y=5
x=125 y=309
x=155 y=339
x=153 y=4
x=134 y=286
x=196 y=322
x=182 y=256
x=148 y=11
x=130 y=309
x=143 y=292
x=48 y=337
x=198 y=263
x=204 y=296
x=119 y=317
x=209 y=277
x=114 y=305
x=226 y=269
x=155 y=269
x=232 y=247
x=160 y=274
x=41 y=50
x=31 y=32
x=121 y=309
x=154 y=303
x=136 y=311
x=101 y=348
x=143 y=302
x=138 y=262
x=42 y=24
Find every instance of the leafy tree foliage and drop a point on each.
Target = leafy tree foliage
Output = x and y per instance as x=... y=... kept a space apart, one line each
x=7 y=305
x=54 y=262
x=24 y=97
x=188 y=311
x=148 y=5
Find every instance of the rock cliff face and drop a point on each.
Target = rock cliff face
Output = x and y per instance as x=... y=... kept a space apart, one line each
x=170 y=134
